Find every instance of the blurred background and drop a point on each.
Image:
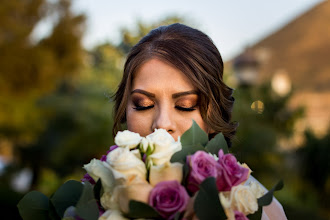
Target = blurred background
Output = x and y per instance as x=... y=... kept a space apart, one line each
x=61 y=61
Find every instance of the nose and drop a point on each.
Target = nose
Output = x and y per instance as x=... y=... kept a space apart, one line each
x=164 y=119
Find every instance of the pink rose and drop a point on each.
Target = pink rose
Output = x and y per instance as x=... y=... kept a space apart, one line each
x=168 y=198
x=230 y=173
x=240 y=216
x=202 y=165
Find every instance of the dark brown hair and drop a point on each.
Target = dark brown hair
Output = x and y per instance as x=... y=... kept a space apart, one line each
x=192 y=52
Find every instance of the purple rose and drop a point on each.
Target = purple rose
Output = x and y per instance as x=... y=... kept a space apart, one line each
x=202 y=165
x=168 y=198
x=230 y=173
x=240 y=216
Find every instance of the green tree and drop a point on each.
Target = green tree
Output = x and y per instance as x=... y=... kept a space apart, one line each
x=130 y=37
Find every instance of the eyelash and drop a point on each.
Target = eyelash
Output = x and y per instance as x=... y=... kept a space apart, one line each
x=186 y=109
x=142 y=108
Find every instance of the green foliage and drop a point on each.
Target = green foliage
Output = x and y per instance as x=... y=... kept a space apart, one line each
x=34 y=67
x=67 y=195
x=314 y=168
x=259 y=133
x=207 y=204
x=131 y=37
x=195 y=139
x=216 y=143
x=141 y=210
x=71 y=199
x=194 y=136
x=34 y=205
x=87 y=207
x=268 y=197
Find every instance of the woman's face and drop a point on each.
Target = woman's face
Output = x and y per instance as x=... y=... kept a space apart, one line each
x=162 y=97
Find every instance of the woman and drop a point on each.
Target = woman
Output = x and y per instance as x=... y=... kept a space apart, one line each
x=171 y=77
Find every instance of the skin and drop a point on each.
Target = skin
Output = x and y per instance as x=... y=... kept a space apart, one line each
x=159 y=95
x=162 y=97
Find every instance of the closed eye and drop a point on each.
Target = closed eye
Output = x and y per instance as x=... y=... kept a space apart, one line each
x=185 y=109
x=141 y=108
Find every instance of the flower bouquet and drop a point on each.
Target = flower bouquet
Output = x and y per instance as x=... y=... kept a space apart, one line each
x=156 y=177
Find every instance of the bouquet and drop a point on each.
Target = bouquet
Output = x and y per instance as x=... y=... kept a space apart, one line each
x=156 y=177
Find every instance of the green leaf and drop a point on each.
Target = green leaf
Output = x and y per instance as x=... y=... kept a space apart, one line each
x=185 y=173
x=86 y=207
x=97 y=190
x=141 y=210
x=180 y=156
x=194 y=136
x=67 y=195
x=256 y=215
x=268 y=197
x=217 y=143
x=194 y=139
x=52 y=212
x=207 y=203
x=177 y=216
x=34 y=205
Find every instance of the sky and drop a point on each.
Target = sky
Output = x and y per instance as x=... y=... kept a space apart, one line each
x=232 y=24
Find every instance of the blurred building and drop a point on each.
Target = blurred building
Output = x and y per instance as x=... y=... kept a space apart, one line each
x=298 y=57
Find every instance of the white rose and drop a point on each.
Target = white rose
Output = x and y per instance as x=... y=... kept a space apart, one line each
x=145 y=147
x=127 y=139
x=257 y=189
x=164 y=146
x=133 y=189
x=138 y=191
x=112 y=215
x=226 y=204
x=165 y=172
x=99 y=169
x=109 y=200
x=243 y=199
x=127 y=162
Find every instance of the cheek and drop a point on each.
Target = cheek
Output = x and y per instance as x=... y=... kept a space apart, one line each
x=138 y=122
x=196 y=116
x=201 y=123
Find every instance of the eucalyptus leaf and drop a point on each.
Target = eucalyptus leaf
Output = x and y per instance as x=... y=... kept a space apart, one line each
x=185 y=174
x=52 y=212
x=268 y=197
x=180 y=156
x=194 y=139
x=207 y=203
x=67 y=195
x=97 y=190
x=141 y=210
x=34 y=205
x=86 y=207
x=217 y=143
x=257 y=215
x=194 y=136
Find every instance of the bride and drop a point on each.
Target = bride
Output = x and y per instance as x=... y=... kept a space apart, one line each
x=173 y=76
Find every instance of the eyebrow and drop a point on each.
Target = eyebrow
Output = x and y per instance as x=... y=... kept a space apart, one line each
x=179 y=94
x=149 y=94
x=174 y=96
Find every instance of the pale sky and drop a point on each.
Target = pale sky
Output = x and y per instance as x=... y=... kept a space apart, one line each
x=232 y=24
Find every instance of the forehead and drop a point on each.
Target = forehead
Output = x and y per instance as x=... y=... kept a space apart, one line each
x=156 y=74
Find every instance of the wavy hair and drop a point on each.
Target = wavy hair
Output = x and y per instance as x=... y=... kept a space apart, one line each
x=192 y=52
